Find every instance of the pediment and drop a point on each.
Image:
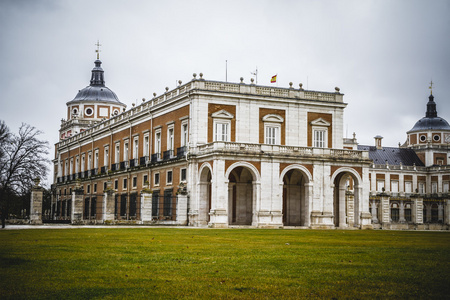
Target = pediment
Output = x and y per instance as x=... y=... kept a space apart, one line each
x=273 y=118
x=320 y=122
x=223 y=114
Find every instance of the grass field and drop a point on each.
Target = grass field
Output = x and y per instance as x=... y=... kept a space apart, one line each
x=171 y=263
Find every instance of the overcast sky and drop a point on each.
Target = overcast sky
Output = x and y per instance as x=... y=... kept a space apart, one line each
x=381 y=54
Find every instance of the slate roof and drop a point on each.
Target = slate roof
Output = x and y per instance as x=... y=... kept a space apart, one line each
x=393 y=156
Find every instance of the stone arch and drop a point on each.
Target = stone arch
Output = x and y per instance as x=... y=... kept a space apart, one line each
x=243 y=193
x=204 y=190
x=347 y=189
x=295 y=182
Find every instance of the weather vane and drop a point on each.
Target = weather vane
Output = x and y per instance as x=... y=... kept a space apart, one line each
x=431 y=87
x=98 y=49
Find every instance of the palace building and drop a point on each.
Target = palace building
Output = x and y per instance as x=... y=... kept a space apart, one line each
x=220 y=154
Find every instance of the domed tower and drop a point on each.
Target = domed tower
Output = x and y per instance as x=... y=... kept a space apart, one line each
x=92 y=104
x=430 y=137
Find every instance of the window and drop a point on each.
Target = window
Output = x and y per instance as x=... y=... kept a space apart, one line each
x=222 y=126
x=90 y=160
x=83 y=161
x=156 y=178
x=183 y=175
x=96 y=159
x=445 y=187
x=421 y=188
x=434 y=187
x=158 y=141
x=380 y=185
x=135 y=147
x=124 y=186
x=66 y=168
x=408 y=187
x=105 y=185
x=116 y=184
x=320 y=138
x=434 y=213
x=394 y=186
x=272 y=128
x=272 y=135
x=71 y=166
x=221 y=132
x=423 y=138
x=77 y=165
x=106 y=157
x=319 y=129
x=145 y=179
x=88 y=188
x=125 y=151
x=146 y=145
x=95 y=188
x=170 y=138
x=408 y=215
x=184 y=134
x=117 y=156
x=395 y=212
x=169 y=177
x=134 y=182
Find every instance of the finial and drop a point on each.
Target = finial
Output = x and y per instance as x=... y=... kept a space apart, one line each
x=98 y=49
x=431 y=87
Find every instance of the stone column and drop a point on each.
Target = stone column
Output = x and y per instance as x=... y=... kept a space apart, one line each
x=374 y=212
x=385 y=210
x=77 y=206
x=402 y=212
x=146 y=206
x=108 y=205
x=447 y=211
x=182 y=205
x=37 y=193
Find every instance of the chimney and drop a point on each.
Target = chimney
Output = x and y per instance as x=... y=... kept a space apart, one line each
x=378 y=144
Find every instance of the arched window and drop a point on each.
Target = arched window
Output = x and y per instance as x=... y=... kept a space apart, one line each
x=408 y=216
x=395 y=213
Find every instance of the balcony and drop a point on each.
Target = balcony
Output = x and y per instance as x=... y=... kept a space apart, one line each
x=168 y=155
x=181 y=152
x=156 y=157
x=115 y=167
x=143 y=160
x=94 y=171
x=279 y=150
x=124 y=165
x=133 y=162
x=86 y=174
x=104 y=170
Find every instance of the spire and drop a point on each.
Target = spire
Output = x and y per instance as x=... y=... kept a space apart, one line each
x=431 y=105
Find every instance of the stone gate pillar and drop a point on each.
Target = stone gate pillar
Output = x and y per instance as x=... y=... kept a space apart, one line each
x=182 y=205
x=146 y=206
x=77 y=206
x=108 y=205
x=385 y=210
x=37 y=194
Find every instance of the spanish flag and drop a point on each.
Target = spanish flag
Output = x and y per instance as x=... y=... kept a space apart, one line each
x=273 y=79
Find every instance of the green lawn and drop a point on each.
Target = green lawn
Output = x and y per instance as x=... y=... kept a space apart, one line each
x=170 y=263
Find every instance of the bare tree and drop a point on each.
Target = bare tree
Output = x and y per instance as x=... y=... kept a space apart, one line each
x=22 y=159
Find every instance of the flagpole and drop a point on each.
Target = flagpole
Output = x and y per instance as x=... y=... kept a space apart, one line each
x=226 y=70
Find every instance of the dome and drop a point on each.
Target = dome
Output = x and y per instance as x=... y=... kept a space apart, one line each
x=431 y=121
x=96 y=91
x=427 y=123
